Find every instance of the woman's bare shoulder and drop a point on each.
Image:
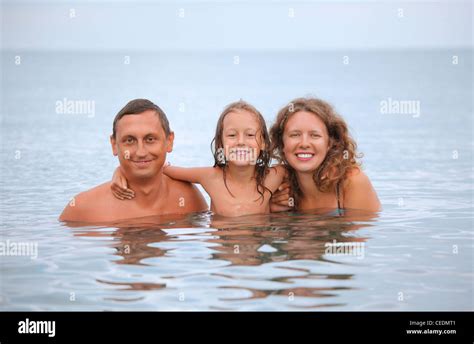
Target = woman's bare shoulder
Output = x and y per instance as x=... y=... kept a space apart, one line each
x=356 y=176
x=359 y=192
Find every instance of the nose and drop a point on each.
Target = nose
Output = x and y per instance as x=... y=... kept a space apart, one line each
x=304 y=142
x=241 y=141
x=141 y=151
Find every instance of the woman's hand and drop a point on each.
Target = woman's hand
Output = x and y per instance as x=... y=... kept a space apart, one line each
x=281 y=200
x=119 y=186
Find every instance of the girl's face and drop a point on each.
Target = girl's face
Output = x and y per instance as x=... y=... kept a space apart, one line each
x=305 y=141
x=241 y=138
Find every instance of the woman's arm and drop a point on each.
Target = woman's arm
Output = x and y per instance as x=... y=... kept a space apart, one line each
x=359 y=193
x=280 y=200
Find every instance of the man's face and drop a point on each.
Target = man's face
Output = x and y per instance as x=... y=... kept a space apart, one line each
x=141 y=145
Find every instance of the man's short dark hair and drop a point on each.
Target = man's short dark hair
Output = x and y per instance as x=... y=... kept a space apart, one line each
x=137 y=106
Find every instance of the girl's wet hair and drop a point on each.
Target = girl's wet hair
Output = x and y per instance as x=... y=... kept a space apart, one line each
x=342 y=154
x=263 y=160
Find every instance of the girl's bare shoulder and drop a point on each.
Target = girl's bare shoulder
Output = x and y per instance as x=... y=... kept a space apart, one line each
x=277 y=170
x=274 y=177
x=215 y=172
x=211 y=176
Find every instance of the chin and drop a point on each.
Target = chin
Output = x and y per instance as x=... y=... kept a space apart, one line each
x=241 y=163
x=145 y=172
x=303 y=167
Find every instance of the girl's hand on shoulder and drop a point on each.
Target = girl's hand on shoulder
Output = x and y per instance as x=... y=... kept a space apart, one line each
x=119 y=186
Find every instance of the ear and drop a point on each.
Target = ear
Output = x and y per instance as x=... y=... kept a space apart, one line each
x=113 y=142
x=169 y=142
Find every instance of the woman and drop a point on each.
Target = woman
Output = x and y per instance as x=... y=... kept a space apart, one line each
x=314 y=144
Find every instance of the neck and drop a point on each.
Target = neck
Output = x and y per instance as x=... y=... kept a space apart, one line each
x=241 y=174
x=307 y=185
x=149 y=190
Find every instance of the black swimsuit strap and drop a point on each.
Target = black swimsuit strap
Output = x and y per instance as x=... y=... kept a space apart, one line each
x=337 y=196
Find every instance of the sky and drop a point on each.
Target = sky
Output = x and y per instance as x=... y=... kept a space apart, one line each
x=234 y=25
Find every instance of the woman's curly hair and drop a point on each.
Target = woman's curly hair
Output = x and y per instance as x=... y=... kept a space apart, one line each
x=342 y=154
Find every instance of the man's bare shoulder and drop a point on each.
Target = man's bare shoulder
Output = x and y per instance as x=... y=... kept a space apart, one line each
x=84 y=206
x=96 y=194
x=187 y=195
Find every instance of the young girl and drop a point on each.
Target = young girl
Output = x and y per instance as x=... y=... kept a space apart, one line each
x=241 y=181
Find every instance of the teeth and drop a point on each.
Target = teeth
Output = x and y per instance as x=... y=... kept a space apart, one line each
x=241 y=151
x=304 y=155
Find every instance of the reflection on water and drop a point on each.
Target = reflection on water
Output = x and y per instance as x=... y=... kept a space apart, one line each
x=398 y=260
x=212 y=248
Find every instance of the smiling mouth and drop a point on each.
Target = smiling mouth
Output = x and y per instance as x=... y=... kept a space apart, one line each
x=241 y=154
x=142 y=162
x=240 y=151
x=304 y=156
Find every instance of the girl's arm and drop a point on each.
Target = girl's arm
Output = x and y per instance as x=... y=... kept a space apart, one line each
x=197 y=175
x=188 y=174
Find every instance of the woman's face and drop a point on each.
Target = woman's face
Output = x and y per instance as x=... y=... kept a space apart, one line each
x=305 y=141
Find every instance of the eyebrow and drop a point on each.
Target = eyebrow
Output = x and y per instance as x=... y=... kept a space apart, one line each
x=299 y=131
x=133 y=136
x=246 y=129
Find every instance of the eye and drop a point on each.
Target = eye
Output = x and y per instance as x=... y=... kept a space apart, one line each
x=129 y=140
x=251 y=135
x=150 y=139
x=294 y=135
x=231 y=135
x=316 y=135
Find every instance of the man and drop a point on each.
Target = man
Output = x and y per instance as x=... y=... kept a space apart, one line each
x=141 y=138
